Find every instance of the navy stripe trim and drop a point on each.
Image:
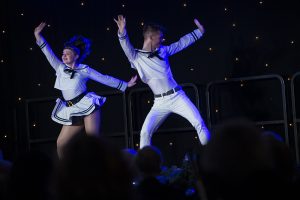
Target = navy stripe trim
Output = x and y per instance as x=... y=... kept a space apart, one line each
x=123 y=37
x=43 y=45
x=194 y=36
x=57 y=117
x=87 y=110
x=119 y=86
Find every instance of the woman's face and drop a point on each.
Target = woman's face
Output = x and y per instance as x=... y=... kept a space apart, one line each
x=69 y=57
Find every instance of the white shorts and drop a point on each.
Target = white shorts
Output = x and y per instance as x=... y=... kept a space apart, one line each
x=63 y=114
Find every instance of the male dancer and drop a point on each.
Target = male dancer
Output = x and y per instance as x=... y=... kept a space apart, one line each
x=153 y=67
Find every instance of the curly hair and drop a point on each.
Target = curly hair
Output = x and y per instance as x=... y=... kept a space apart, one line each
x=80 y=45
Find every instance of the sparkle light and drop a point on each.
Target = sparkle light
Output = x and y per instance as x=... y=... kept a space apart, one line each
x=192 y=69
x=210 y=49
x=123 y=5
x=107 y=28
x=2 y=61
x=234 y=24
x=236 y=59
x=184 y=5
x=3 y=32
x=19 y=98
x=102 y=58
x=171 y=143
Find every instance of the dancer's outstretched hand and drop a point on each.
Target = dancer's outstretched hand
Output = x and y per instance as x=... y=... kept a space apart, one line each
x=38 y=30
x=200 y=27
x=132 y=81
x=121 y=22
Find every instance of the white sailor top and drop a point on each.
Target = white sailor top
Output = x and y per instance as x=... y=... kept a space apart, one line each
x=153 y=67
x=72 y=82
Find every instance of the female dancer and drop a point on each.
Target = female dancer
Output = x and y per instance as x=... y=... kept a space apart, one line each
x=77 y=109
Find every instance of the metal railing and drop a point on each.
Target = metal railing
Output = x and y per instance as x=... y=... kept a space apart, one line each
x=253 y=78
x=294 y=113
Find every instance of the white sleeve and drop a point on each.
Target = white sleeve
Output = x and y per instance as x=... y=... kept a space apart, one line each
x=107 y=80
x=127 y=47
x=46 y=49
x=184 y=42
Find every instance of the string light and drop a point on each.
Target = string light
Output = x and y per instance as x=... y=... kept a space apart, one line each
x=225 y=9
x=192 y=69
x=234 y=24
x=292 y=42
x=30 y=48
x=5 y=136
x=123 y=5
x=184 y=5
x=257 y=37
x=171 y=143
x=137 y=145
x=267 y=65
x=3 y=32
x=148 y=101
x=102 y=58
x=216 y=110
x=39 y=84
x=262 y=127
x=210 y=49
x=196 y=137
x=225 y=78
x=107 y=28
x=236 y=59
x=49 y=25
x=34 y=125
x=82 y=3
x=142 y=23
x=22 y=14
x=290 y=124
x=261 y=2
x=19 y=98
x=2 y=61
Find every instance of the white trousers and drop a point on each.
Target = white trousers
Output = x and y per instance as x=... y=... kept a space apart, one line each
x=177 y=103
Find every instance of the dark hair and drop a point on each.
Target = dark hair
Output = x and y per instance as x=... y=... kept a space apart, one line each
x=80 y=45
x=153 y=27
x=149 y=160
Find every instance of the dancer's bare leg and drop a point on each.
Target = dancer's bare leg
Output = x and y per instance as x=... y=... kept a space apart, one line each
x=66 y=133
x=92 y=123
